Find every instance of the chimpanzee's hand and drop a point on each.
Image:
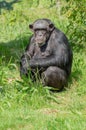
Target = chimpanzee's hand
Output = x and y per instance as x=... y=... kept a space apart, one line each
x=24 y=65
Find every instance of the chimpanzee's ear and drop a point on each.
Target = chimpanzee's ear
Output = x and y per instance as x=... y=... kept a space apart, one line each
x=51 y=27
x=31 y=26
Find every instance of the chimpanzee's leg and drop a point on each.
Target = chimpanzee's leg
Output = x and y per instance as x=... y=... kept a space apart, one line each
x=54 y=77
x=35 y=74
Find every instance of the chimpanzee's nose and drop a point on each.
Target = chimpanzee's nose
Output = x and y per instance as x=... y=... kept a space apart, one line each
x=40 y=35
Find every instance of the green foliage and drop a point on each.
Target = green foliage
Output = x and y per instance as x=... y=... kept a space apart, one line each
x=26 y=105
x=75 y=12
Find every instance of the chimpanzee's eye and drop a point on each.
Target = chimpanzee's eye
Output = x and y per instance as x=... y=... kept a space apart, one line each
x=36 y=31
x=43 y=31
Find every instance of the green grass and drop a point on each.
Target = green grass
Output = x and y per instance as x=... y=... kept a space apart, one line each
x=28 y=106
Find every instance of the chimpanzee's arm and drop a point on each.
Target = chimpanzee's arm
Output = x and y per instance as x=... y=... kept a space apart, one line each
x=59 y=58
x=42 y=62
x=24 y=62
x=30 y=48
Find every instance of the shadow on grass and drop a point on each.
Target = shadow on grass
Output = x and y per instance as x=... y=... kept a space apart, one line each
x=75 y=75
x=7 y=5
x=77 y=72
x=13 y=49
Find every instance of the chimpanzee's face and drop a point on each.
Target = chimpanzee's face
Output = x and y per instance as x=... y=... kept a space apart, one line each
x=41 y=29
x=41 y=36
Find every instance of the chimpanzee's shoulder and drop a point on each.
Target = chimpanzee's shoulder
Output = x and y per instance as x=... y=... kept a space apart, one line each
x=60 y=34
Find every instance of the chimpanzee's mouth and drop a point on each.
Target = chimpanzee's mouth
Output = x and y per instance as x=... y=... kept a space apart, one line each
x=41 y=44
x=39 y=41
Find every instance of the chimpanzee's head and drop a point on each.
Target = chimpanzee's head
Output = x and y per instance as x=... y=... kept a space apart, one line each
x=42 y=29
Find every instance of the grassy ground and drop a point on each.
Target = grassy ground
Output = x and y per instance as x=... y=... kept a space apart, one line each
x=28 y=106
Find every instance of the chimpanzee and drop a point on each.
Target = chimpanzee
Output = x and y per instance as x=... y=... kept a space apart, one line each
x=48 y=52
